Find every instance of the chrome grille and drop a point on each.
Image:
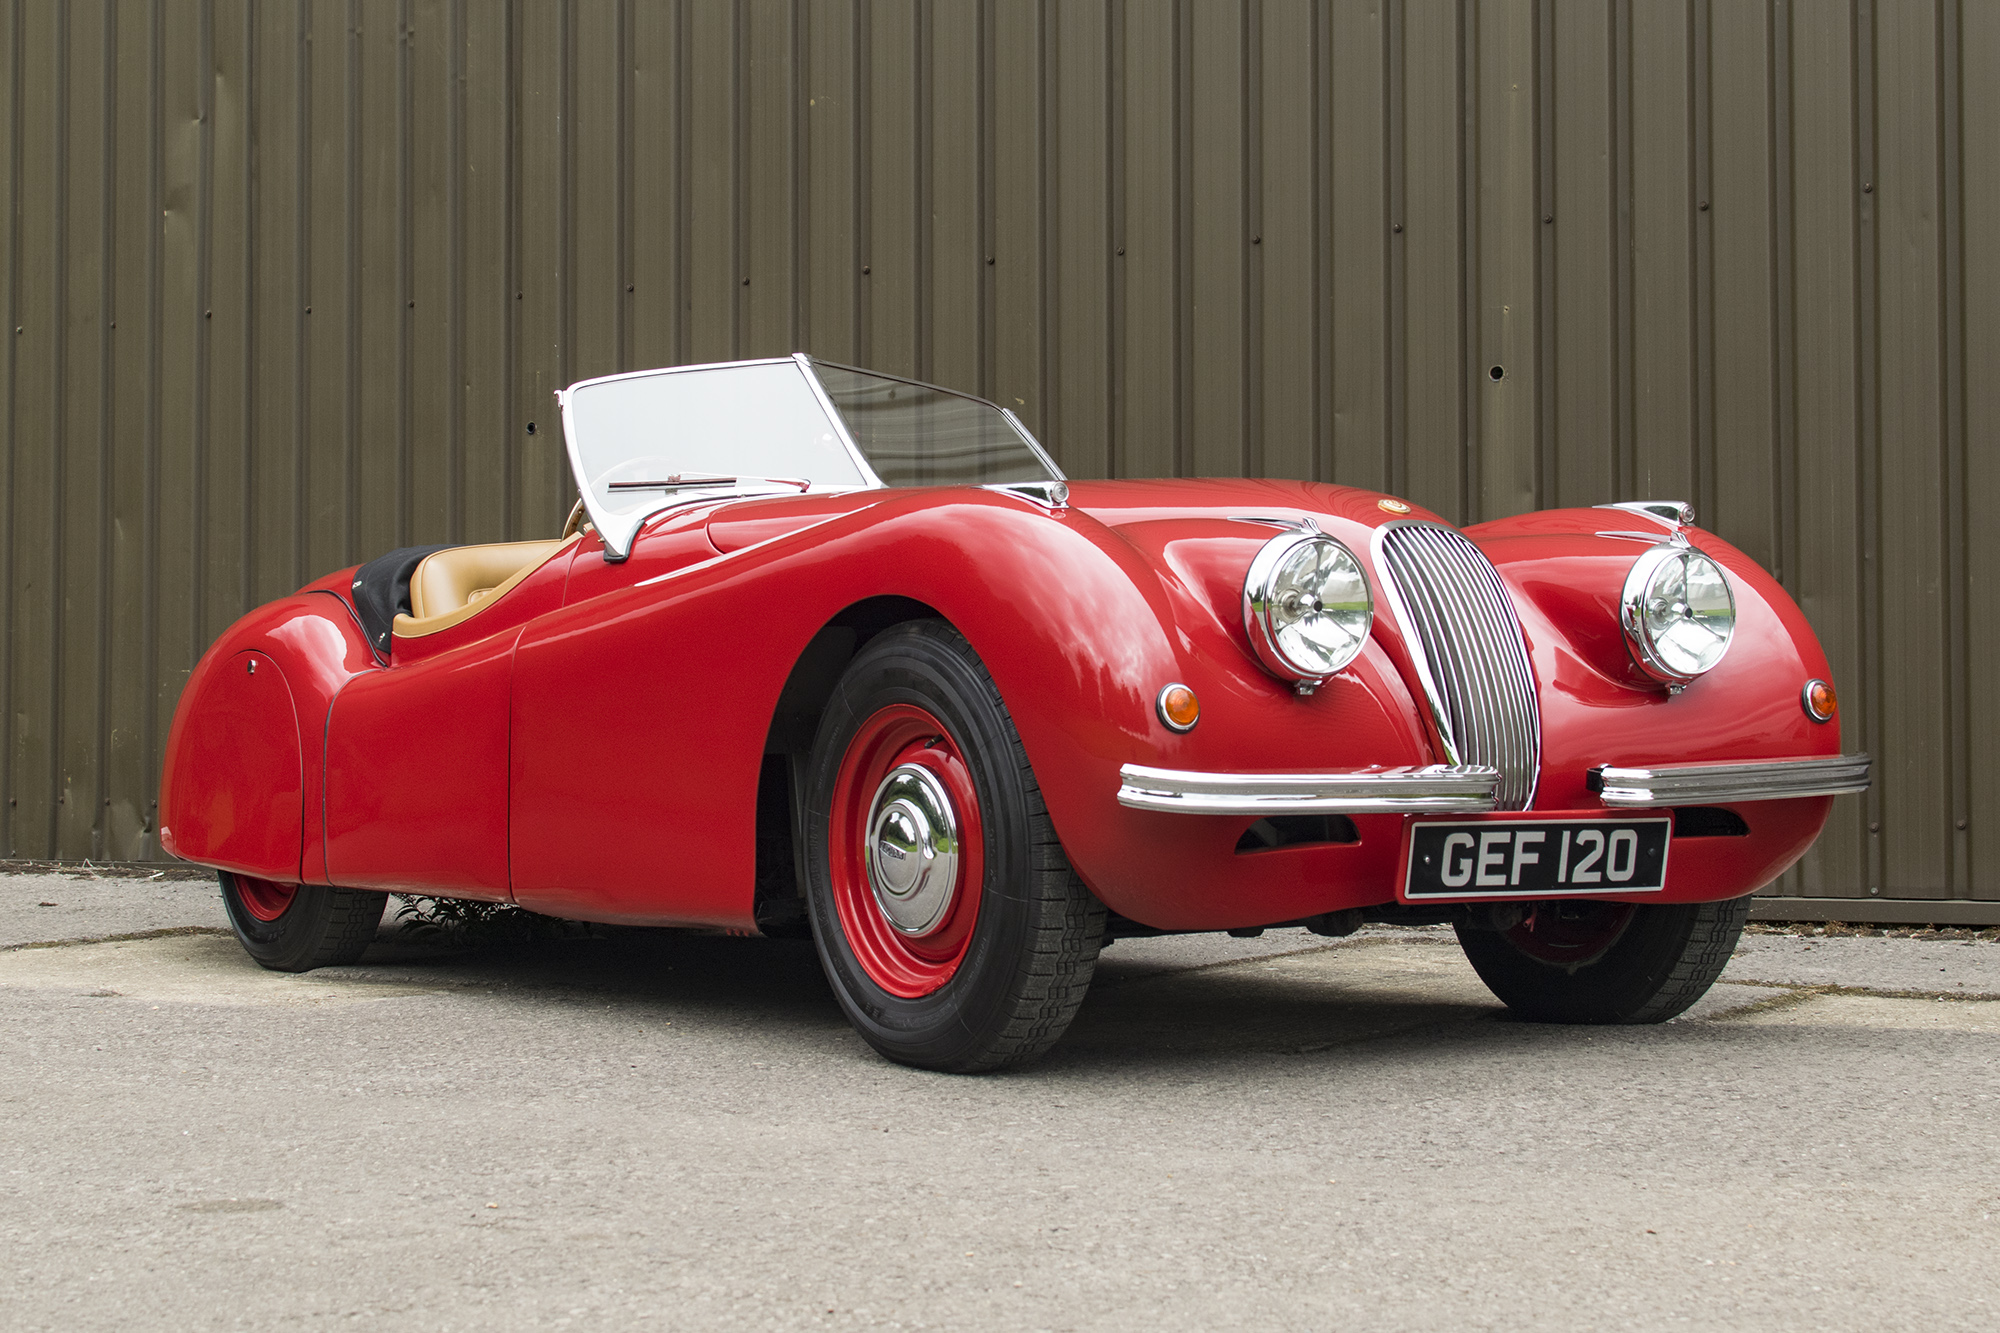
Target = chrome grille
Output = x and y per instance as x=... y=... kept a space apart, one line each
x=1465 y=641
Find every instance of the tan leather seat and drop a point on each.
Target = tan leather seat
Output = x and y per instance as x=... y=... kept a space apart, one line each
x=455 y=583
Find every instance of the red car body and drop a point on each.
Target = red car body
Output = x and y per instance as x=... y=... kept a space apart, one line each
x=591 y=742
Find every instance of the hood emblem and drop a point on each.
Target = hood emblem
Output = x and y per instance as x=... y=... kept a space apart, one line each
x=1392 y=506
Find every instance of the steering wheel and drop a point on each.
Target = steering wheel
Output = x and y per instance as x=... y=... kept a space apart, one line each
x=576 y=521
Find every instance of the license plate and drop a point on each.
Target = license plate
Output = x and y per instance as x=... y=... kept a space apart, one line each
x=1536 y=859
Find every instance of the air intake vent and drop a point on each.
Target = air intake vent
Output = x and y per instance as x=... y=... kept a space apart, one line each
x=1466 y=643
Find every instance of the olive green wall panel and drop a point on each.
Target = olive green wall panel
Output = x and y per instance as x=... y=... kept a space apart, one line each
x=290 y=282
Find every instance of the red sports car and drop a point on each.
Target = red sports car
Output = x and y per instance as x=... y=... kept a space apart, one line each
x=828 y=651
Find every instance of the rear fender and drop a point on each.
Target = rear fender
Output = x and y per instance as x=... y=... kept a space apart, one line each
x=241 y=788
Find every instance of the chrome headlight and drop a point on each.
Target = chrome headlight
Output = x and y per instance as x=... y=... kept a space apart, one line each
x=1307 y=606
x=1678 y=613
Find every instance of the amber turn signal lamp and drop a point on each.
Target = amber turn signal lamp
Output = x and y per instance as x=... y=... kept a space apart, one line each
x=1820 y=703
x=1178 y=707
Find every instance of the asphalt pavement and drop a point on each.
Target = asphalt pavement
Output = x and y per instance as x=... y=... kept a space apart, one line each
x=657 y=1129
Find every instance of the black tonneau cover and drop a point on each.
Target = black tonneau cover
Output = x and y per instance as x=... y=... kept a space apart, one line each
x=382 y=589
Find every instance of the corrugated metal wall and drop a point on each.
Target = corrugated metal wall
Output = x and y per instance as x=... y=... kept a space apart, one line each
x=289 y=284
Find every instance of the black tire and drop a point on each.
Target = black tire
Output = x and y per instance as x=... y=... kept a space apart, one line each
x=1664 y=959
x=1033 y=942
x=322 y=927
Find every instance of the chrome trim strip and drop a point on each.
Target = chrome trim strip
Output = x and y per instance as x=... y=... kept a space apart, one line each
x=1438 y=788
x=1725 y=784
x=1303 y=523
x=1673 y=513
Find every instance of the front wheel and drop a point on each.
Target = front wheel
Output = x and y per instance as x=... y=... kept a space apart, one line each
x=1587 y=962
x=298 y=927
x=948 y=920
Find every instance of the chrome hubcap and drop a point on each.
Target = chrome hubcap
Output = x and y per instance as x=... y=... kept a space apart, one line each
x=912 y=849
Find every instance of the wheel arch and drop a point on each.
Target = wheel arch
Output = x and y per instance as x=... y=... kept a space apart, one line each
x=795 y=719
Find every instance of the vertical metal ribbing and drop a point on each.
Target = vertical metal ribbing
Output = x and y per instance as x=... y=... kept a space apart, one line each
x=1514 y=705
x=1457 y=611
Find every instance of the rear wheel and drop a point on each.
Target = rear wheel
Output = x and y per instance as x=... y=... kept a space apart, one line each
x=298 y=927
x=1585 y=962
x=947 y=918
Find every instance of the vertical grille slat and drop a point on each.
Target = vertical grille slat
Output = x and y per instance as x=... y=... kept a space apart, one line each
x=1466 y=642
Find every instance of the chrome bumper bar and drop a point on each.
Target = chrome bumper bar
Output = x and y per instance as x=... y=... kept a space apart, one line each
x=1725 y=784
x=1438 y=789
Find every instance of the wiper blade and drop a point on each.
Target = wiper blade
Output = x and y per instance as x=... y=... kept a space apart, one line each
x=673 y=483
x=680 y=482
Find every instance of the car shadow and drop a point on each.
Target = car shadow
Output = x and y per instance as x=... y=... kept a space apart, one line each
x=774 y=992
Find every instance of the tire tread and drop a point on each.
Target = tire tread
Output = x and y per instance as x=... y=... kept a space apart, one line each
x=1666 y=960
x=1069 y=933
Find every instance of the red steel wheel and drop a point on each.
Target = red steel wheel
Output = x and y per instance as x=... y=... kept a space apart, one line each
x=905 y=846
x=952 y=930
x=265 y=899
x=1570 y=934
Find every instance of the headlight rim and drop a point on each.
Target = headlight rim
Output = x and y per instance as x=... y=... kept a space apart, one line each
x=1257 y=581
x=1632 y=614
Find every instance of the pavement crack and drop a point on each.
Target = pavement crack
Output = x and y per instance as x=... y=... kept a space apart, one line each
x=162 y=933
x=1372 y=941
x=1794 y=994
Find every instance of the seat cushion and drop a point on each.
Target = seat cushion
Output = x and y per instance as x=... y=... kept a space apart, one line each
x=456 y=577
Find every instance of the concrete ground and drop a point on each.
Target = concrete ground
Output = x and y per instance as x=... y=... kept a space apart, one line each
x=680 y=1131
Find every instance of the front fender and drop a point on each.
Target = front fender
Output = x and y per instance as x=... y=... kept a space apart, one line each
x=1597 y=709
x=1566 y=579
x=1079 y=627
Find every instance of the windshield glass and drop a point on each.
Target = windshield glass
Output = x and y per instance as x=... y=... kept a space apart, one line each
x=639 y=443
x=760 y=420
x=917 y=435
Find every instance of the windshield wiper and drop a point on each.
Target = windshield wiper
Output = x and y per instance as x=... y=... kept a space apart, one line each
x=672 y=483
x=680 y=482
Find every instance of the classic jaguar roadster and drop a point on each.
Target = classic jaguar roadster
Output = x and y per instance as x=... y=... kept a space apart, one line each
x=832 y=652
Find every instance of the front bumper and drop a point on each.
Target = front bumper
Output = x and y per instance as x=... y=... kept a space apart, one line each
x=1727 y=784
x=1469 y=789
x=1436 y=789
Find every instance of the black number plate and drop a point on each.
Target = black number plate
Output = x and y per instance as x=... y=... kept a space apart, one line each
x=1536 y=859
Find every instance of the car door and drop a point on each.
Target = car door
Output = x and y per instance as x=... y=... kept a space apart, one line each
x=416 y=780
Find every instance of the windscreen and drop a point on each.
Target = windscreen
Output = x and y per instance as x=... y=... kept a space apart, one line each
x=731 y=421
x=914 y=435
